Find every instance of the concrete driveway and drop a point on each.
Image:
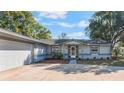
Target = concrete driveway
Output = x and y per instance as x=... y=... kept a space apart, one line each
x=68 y=72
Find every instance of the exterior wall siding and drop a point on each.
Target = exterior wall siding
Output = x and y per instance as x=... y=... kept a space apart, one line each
x=65 y=50
x=104 y=50
x=97 y=56
x=65 y=56
x=82 y=49
x=85 y=53
x=40 y=52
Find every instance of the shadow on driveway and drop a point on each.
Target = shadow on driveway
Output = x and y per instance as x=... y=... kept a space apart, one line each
x=74 y=69
x=40 y=65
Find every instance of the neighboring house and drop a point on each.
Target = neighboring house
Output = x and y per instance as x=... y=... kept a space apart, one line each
x=17 y=50
x=121 y=51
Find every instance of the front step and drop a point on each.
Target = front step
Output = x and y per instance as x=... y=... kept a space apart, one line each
x=72 y=61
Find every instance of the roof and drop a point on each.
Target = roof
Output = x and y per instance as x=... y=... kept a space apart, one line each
x=74 y=41
x=17 y=37
x=9 y=35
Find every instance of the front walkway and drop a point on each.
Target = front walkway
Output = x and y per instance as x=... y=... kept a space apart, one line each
x=51 y=72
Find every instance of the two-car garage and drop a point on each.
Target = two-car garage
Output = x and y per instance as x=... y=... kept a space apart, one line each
x=17 y=50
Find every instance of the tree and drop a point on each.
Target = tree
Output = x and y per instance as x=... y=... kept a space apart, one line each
x=121 y=43
x=63 y=36
x=23 y=22
x=107 y=26
x=41 y=32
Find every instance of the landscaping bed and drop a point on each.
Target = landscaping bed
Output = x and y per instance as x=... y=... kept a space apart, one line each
x=102 y=62
x=54 y=61
x=95 y=62
x=88 y=62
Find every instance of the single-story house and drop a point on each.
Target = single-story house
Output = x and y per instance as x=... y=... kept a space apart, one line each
x=83 y=49
x=17 y=50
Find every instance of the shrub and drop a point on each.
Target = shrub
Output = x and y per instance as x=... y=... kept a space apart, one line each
x=78 y=58
x=114 y=57
x=94 y=58
x=101 y=58
x=107 y=58
x=117 y=63
x=57 y=55
x=87 y=58
x=116 y=52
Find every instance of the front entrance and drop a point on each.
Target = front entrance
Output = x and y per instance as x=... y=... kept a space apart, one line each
x=73 y=51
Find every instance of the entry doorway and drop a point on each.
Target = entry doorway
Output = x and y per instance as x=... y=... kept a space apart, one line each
x=73 y=51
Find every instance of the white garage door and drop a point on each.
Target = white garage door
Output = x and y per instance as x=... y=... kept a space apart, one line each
x=14 y=54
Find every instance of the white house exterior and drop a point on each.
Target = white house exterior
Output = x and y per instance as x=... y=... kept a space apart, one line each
x=17 y=50
x=83 y=49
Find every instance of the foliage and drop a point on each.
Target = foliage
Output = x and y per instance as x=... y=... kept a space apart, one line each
x=116 y=51
x=121 y=44
x=122 y=37
x=63 y=36
x=41 y=32
x=107 y=26
x=23 y=22
x=57 y=55
x=117 y=63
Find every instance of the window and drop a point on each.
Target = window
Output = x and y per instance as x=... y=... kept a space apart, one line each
x=94 y=49
x=56 y=49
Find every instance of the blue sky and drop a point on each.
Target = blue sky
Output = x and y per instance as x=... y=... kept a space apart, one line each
x=72 y=23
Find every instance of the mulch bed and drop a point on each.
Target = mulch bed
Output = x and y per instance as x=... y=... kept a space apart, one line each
x=88 y=62
x=96 y=62
x=53 y=61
